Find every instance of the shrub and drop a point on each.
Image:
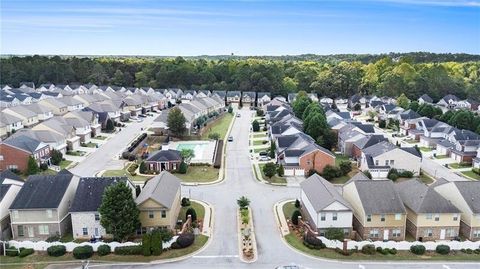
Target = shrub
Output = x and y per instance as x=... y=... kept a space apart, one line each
x=331 y=172
x=393 y=251
x=166 y=234
x=12 y=251
x=156 y=243
x=264 y=128
x=129 y=250
x=393 y=174
x=185 y=240
x=255 y=126
x=56 y=157
x=297 y=203
x=230 y=110
x=43 y=166
x=270 y=169
x=214 y=136
x=280 y=170
x=345 y=167
x=406 y=174
x=385 y=251
x=132 y=157
x=382 y=124
x=312 y=242
x=143 y=167
x=53 y=238
x=442 y=249
x=24 y=252
x=368 y=174
x=126 y=155
x=418 y=249
x=83 y=252
x=104 y=250
x=295 y=216
x=368 y=249
x=185 y=202
x=379 y=249
x=192 y=213
x=56 y=251
x=182 y=168
x=335 y=234
x=146 y=245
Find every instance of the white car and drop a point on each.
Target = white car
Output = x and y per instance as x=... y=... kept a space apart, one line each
x=230 y=139
x=264 y=158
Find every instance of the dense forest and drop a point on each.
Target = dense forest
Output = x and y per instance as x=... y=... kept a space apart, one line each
x=336 y=76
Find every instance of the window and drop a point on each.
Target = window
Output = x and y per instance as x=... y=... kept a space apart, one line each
x=396 y=232
x=97 y=216
x=374 y=233
x=150 y=214
x=428 y=232
x=398 y=216
x=84 y=231
x=382 y=217
x=369 y=218
x=334 y=216
x=49 y=213
x=455 y=217
x=437 y=217
x=429 y=216
x=323 y=216
x=164 y=214
x=392 y=162
x=451 y=232
x=1 y=157
x=20 y=230
x=476 y=233
x=386 y=162
x=12 y=167
x=376 y=162
x=43 y=229
x=346 y=232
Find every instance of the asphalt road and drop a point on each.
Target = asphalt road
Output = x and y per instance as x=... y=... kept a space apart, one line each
x=222 y=251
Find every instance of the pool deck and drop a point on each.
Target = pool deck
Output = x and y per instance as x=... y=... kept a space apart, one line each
x=203 y=154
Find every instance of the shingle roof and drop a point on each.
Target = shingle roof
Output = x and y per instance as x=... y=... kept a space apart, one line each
x=379 y=197
x=423 y=199
x=369 y=141
x=470 y=191
x=412 y=151
x=321 y=193
x=7 y=174
x=164 y=155
x=379 y=148
x=162 y=188
x=357 y=176
x=23 y=142
x=426 y=98
x=88 y=196
x=6 y=118
x=42 y=191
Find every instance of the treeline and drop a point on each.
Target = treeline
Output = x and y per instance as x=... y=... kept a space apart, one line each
x=388 y=76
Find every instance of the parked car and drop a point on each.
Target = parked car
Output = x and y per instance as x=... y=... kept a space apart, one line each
x=230 y=139
x=142 y=116
x=238 y=115
x=263 y=153
x=264 y=158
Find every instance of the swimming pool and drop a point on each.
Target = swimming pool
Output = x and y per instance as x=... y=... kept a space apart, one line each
x=203 y=150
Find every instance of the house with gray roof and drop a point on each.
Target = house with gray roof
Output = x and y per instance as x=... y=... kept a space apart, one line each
x=233 y=97
x=58 y=107
x=365 y=142
x=163 y=159
x=324 y=207
x=263 y=98
x=249 y=98
x=430 y=216
x=16 y=150
x=60 y=126
x=159 y=202
x=10 y=185
x=29 y=118
x=43 y=112
x=378 y=210
x=41 y=208
x=9 y=124
x=425 y=99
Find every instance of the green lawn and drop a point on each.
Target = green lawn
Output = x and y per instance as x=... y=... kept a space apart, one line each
x=471 y=174
x=220 y=126
x=425 y=178
x=100 y=137
x=340 y=158
x=260 y=134
x=441 y=157
x=411 y=141
x=64 y=164
x=41 y=260
x=274 y=179
x=459 y=165
x=259 y=142
x=76 y=153
x=199 y=209
x=288 y=209
x=425 y=149
x=297 y=243
x=341 y=180
x=202 y=173
x=89 y=145
x=258 y=150
x=122 y=173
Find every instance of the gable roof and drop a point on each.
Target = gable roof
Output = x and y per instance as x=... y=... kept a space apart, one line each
x=379 y=197
x=162 y=189
x=7 y=174
x=369 y=141
x=426 y=98
x=357 y=176
x=321 y=193
x=379 y=148
x=423 y=199
x=88 y=196
x=164 y=156
x=42 y=191
x=23 y=142
x=470 y=191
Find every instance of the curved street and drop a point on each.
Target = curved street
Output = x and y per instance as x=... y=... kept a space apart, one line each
x=222 y=249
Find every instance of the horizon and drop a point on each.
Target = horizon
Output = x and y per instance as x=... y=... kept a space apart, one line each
x=244 y=28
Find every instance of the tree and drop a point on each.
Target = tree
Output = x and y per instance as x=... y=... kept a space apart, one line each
x=255 y=126
x=192 y=213
x=403 y=101
x=230 y=109
x=297 y=203
x=183 y=168
x=345 y=167
x=156 y=242
x=300 y=104
x=187 y=155
x=109 y=125
x=295 y=216
x=56 y=157
x=147 y=244
x=357 y=107
x=118 y=78
x=413 y=105
x=214 y=136
x=143 y=168
x=335 y=234
x=119 y=212
x=32 y=166
x=273 y=148
x=176 y=122
x=243 y=202
x=269 y=169
x=330 y=172
x=280 y=170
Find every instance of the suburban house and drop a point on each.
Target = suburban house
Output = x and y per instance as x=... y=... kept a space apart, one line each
x=159 y=202
x=429 y=216
x=40 y=209
x=366 y=141
x=28 y=117
x=105 y=110
x=476 y=161
x=249 y=98
x=61 y=127
x=324 y=207
x=86 y=119
x=233 y=97
x=282 y=128
x=220 y=94
x=163 y=159
x=187 y=96
x=381 y=157
x=87 y=200
x=133 y=103
x=58 y=107
x=10 y=185
x=16 y=150
x=425 y=99
x=299 y=154
x=464 y=195
x=43 y=112
x=72 y=103
x=347 y=136
x=449 y=101
x=263 y=98
x=9 y=124
x=378 y=211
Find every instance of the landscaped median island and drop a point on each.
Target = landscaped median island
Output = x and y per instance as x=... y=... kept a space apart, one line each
x=246 y=232
x=302 y=239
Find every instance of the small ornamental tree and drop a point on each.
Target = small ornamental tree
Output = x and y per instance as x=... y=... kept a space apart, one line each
x=255 y=126
x=345 y=167
x=280 y=170
x=243 y=202
x=147 y=244
x=295 y=216
x=32 y=166
x=192 y=213
x=273 y=147
x=55 y=157
x=182 y=168
x=120 y=215
x=143 y=167
x=297 y=203
x=109 y=126
x=269 y=170
x=187 y=155
x=230 y=109
x=156 y=243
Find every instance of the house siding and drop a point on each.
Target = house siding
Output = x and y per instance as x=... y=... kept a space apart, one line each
x=87 y=220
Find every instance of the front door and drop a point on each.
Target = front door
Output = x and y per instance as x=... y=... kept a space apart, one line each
x=30 y=231
x=442 y=234
x=385 y=234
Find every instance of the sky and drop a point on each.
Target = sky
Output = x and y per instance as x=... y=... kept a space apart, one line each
x=248 y=27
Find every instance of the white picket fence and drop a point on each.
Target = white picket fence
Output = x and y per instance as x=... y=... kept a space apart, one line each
x=42 y=245
x=401 y=245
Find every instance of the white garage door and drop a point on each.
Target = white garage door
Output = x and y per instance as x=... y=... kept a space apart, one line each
x=299 y=172
x=289 y=172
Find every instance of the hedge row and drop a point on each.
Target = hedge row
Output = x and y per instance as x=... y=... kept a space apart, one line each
x=129 y=250
x=137 y=142
x=218 y=155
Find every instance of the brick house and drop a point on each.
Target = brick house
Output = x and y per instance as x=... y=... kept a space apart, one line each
x=365 y=142
x=164 y=159
x=378 y=211
x=15 y=151
x=429 y=215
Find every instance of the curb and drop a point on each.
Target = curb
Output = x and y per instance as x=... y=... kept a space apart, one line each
x=260 y=178
x=239 y=235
